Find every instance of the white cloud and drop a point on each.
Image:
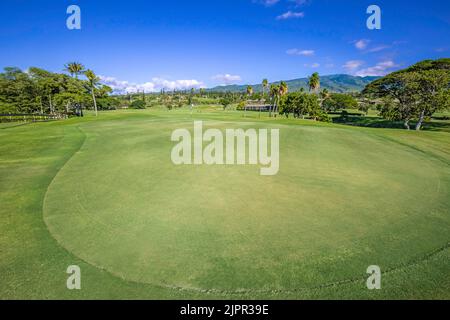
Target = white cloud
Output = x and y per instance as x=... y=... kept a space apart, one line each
x=378 y=48
x=352 y=65
x=362 y=44
x=298 y=52
x=299 y=3
x=380 y=69
x=291 y=15
x=155 y=85
x=267 y=3
x=227 y=78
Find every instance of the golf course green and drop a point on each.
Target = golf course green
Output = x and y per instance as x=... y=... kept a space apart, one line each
x=103 y=193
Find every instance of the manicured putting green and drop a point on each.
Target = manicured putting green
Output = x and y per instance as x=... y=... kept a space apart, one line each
x=344 y=199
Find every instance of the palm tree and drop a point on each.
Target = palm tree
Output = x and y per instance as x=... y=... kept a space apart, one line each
x=93 y=82
x=314 y=82
x=249 y=90
x=74 y=68
x=282 y=91
x=249 y=93
x=283 y=88
x=265 y=85
x=324 y=95
x=274 y=95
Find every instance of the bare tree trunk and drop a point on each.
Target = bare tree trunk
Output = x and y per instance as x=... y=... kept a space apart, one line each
x=419 y=124
x=406 y=124
x=50 y=102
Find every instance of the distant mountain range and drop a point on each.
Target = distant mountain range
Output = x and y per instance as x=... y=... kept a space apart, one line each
x=340 y=83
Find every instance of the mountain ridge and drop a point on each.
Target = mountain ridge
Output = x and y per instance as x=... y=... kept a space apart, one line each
x=340 y=83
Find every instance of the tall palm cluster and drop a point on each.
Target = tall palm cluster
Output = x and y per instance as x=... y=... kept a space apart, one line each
x=276 y=93
x=75 y=69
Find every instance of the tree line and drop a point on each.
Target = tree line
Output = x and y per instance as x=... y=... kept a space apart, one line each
x=410 y=95
x=39 y=91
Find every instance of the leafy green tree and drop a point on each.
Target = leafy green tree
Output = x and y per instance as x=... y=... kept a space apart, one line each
x=17 y=91
x=434 y=93
x=413 y=93
x=400 y=89
x=301 y=104
x=225 y=102
x=48 y=84
x=338 y=101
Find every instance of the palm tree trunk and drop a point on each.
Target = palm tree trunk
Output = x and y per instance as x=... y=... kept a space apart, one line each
x=95 y=102
x=275 y=111
x=264 y=102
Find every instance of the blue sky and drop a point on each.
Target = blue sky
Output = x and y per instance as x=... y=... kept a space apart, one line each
x=149 y=44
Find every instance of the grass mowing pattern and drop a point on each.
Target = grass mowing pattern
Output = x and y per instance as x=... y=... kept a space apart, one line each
x=271 y=254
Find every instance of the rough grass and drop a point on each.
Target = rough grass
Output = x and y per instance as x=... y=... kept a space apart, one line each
x=104 y=194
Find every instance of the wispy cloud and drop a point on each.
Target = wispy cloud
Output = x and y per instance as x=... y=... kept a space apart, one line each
x=380 y=69
x=156 y=84
x=227 y=78
x=267 y=3
x=379 y=48
x=361 y=44
x=352 y=65
x=291 y=15
x=298 y=52
x=365 y=45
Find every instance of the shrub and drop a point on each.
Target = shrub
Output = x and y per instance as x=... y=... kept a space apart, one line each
x=324 y=117
x=225 y=102
x=137 y=104
x=241 y=105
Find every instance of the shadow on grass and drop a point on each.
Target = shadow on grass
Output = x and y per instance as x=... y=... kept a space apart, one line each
x=377 y=122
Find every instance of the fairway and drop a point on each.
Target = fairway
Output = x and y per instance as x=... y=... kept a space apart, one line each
x=344 y=198
x=103 y=194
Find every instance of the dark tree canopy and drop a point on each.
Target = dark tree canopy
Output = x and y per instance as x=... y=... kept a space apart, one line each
x=413 y=93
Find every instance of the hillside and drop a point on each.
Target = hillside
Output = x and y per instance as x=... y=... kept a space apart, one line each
x=333 y=83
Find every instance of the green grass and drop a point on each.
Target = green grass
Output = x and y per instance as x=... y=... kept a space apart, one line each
x=103 y=194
